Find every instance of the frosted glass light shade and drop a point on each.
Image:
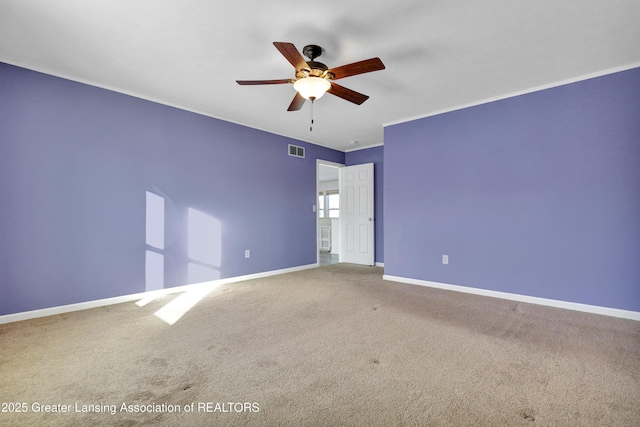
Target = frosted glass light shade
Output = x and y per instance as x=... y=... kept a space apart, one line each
x=311 y=87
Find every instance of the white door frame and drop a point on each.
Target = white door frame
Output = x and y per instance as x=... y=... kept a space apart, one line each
x=318 y=163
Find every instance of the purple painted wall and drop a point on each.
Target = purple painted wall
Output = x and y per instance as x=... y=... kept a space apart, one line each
x=373 y=155
x=76 y=163
x=536 y=195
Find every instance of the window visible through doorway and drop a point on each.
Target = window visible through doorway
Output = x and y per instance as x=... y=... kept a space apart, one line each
x=329 y=204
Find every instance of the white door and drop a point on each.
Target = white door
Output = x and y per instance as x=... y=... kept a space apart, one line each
x=356 y=214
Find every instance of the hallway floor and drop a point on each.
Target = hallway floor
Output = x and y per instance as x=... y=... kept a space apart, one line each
x=327 y=258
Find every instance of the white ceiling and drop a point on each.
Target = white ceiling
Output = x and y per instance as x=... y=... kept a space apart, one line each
x=439 y=55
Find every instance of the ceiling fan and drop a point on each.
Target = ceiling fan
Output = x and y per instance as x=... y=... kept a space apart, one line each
x=313 y=79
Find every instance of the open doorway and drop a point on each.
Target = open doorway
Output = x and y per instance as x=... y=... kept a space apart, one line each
x=328 y=212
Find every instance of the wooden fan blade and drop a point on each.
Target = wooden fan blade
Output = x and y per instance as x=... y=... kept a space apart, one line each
x=347 y=94
x=297 y=103
x=289 y=51
x=263 y=82
x=361 y=67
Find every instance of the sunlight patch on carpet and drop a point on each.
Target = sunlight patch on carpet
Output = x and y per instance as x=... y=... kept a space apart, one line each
x=150 y=297
x=173 y=311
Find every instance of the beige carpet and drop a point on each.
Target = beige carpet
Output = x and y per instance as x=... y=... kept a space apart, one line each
x=330 y=346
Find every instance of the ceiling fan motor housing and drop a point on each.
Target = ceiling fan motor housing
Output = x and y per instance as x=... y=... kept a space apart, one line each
x=316 y=69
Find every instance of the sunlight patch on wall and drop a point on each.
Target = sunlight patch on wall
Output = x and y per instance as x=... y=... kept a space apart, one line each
x=154 y=271
x=199 y=273
x=205 y=238
x=155 y=221
x=154 y=260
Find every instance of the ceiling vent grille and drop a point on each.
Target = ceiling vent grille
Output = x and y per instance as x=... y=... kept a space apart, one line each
x=296 y=151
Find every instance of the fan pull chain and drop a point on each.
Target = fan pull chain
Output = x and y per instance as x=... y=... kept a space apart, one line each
x=311 y=110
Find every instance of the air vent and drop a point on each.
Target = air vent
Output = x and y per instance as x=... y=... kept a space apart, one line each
x=296 y=151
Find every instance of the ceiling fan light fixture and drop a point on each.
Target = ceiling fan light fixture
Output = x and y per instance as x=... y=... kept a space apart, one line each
x=312 y=87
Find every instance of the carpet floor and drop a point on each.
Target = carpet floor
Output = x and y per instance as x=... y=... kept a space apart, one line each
x=330 y=346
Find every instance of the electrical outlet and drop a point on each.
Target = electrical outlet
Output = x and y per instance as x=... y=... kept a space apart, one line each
x=247 y=253
x=445 y=259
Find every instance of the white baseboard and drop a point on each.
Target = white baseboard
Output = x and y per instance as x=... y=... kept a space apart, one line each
x=379 y=264
x=606 y=311
x=17 y=317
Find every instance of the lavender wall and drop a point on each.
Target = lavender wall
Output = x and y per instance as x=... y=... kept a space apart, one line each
x=536 y=195
x=76 y=163
x=373 y=155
